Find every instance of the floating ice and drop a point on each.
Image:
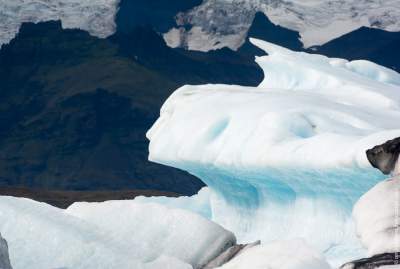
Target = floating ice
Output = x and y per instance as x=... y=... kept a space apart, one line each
x=377 y=216
x=285 y=159
x=120 y=234
x=293 y=254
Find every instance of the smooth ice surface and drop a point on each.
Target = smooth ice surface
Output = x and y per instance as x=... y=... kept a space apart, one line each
x=125 y=234
x=377 y=216
x=294 y=254
x=152 y=230
x=285 y=159
x=94 y=16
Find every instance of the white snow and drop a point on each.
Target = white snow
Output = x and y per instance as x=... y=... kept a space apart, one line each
x=95 y=16
x=294 y=254
x=220 y=23
x=377 y=215
x=285 y=159
x=120 y=234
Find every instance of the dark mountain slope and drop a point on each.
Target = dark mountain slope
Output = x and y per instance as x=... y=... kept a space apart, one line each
x=148 y=48
x=371 y=44
x=74 y=115
x=264 y=29
x=75 y=108
x=158 y=13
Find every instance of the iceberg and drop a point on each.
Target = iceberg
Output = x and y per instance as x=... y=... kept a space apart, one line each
x=293 y=254
x=115 y=234
x=285 y=159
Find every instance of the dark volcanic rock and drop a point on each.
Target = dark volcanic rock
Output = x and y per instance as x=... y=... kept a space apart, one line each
x=4 y=257
x=384 y=157
x=374 y=262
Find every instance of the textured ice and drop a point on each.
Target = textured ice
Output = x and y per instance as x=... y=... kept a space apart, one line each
x=293 y=254
x=285 y=159
x=124 y=235
x=95 y=16
x=377 y=216
x=152 y=229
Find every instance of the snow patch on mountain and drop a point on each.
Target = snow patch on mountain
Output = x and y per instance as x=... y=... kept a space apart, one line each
x=95 y=16
x=224 y=23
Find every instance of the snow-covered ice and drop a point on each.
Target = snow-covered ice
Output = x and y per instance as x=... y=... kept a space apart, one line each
x=120 y=234
x=377 y=216
x=285 y=159
x=293 y=254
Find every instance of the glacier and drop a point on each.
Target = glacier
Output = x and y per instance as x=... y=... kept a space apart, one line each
x=95 y=16
x=224 y=23
x=285 y=159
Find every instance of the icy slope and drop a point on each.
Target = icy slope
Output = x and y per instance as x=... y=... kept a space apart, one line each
x=94 y=16
x=377 y=215
x=125 y=234
x=286 y=159
x=220 y=23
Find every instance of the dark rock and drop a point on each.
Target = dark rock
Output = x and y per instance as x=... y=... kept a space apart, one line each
x=373 y=262
x=384 y=157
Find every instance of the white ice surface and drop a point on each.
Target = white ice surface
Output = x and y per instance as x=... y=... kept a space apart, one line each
x=293 y=254
x=377 y=216
x=285 y=159
x=120 y=234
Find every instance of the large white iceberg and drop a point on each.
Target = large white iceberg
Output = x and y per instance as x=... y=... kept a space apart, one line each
x=285 y=159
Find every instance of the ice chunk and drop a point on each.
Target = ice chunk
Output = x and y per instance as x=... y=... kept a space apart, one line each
x=115 y=234
x=294 y=254
x=377 y=216
x=285 y=159
x=152 y=229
